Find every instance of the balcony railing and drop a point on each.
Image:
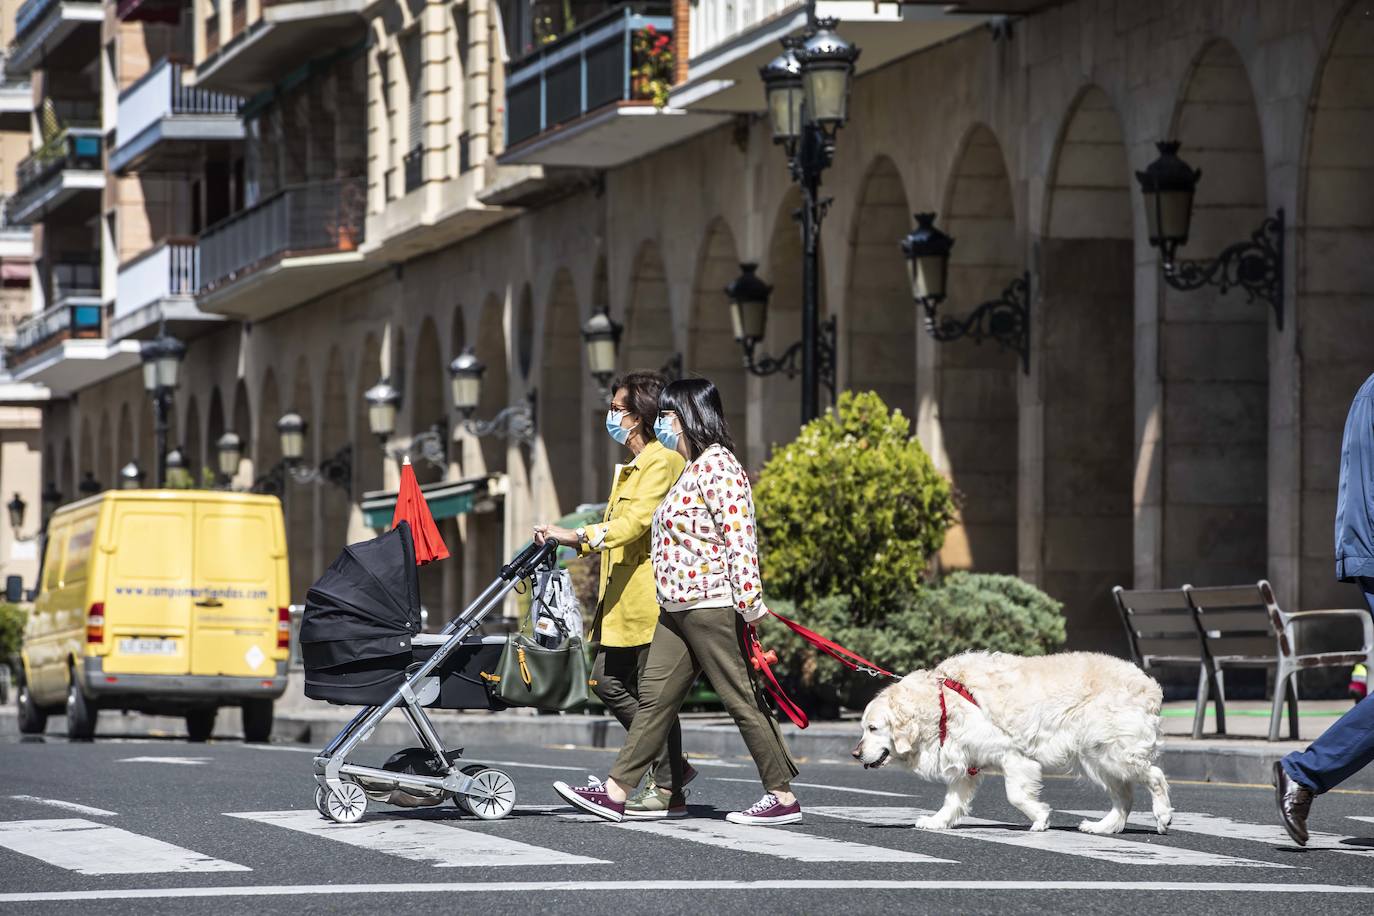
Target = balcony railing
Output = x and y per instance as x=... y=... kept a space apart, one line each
x=714 y=22
x=169 y=270
x=70 y=148
x=321 y=217
x=584 y=70
x=29 y=12
x=161 y=93
x=76 y=311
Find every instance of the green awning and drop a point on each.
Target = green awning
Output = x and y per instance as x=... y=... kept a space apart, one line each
x=446 y=498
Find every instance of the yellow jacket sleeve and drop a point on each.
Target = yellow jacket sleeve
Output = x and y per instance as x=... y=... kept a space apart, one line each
x=656 y=477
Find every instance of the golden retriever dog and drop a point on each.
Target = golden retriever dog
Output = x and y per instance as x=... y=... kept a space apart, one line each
x=1023 y=715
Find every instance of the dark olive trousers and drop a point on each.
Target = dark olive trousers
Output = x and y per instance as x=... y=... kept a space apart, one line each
x=617 y=672
x=688 y=643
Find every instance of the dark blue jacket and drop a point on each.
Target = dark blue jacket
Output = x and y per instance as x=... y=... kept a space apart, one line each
x=1355 y=499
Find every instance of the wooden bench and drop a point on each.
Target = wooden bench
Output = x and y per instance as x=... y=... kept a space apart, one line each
x=1238 y=626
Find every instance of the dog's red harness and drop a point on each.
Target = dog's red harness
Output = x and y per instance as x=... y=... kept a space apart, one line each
x=963 y=691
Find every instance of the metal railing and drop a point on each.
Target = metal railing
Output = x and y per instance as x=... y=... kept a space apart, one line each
x=168 y=269
x=161 y=93
x=324 y=216
x=29 y=12
x=70 y=148
x=584 y=70
x=65 y=321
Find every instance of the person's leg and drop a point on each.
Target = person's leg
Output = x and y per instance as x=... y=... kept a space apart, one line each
x=668 y=675
x=615 y=676
x=1342 y=750
x=716 y=638
x=669 y=768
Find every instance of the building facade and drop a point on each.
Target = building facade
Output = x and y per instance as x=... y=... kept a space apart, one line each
x=336 y=193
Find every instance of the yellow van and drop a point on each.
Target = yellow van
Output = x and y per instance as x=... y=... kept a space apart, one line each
x=172 y=602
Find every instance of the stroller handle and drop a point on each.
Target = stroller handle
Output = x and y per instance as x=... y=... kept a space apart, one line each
x=527 y=560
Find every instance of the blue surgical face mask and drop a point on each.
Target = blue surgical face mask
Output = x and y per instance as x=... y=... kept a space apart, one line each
x=619 y=433
x=663 y=430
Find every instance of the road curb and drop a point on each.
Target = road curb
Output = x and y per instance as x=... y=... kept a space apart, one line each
x=1183 y=759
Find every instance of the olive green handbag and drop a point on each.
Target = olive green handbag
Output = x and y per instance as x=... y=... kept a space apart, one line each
x=547 y=678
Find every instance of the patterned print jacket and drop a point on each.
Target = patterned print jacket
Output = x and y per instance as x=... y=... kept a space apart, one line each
x=705 y=550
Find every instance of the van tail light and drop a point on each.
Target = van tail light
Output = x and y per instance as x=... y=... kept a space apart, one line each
x=95 y=623
x=283 y=628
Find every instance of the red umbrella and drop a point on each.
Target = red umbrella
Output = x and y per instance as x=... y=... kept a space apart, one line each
x=411 y=506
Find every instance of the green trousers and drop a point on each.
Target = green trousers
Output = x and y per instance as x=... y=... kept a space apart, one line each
x=617 y=672
x=688 y=643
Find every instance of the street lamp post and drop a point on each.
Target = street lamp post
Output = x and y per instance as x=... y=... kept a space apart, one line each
x=807 y=88
x=161 y=359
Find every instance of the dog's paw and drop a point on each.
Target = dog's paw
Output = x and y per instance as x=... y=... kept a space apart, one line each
x=1102 y=827
x=1042 y=824
x=1162 y=823
x=931 y=822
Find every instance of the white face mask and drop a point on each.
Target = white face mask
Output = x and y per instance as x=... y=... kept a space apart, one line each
x=617 y=432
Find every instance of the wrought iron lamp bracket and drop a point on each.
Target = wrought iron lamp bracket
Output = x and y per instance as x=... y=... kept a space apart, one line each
x=789 y=363
x=1005 y=320
x=429 y=446
x=514 y=422
x=1255 y=265
x=336 y=469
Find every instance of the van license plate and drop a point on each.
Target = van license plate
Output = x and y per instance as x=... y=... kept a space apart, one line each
x=147 y=647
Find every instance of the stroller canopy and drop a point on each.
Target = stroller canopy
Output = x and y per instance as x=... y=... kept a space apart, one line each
x=366 y=605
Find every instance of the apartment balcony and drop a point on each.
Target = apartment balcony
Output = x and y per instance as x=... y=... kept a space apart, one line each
x=16 y=99
x=578 y=101
x=67 y=169
x=288 y=33
x=67 y=32
x=159 y=286
x=65 y=347
x=293 y=246
x=428 y=207
x=163 y=124
x=729 y=41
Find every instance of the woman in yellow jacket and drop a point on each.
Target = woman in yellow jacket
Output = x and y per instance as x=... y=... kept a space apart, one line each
x=627 y=609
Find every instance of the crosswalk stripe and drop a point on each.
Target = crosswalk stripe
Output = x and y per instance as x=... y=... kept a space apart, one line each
x=443 y=845
x=89 y=848
x=1067 y=842
x=1227 y=829
x=65 y=805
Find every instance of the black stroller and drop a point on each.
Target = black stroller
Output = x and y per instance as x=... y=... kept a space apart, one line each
x=362 y=646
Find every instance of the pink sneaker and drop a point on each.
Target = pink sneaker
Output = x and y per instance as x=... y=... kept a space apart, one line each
x=768 y=812
x=592 y=798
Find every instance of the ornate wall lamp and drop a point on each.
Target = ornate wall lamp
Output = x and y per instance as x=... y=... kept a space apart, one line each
x=291 y=430
x=1005 y=319
x=1256 y=266
x=17 y=508
x=748 y=296
x=601 y=337
x=515 y=422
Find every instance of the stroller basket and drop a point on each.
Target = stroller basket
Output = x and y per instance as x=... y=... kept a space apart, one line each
x=362 y=646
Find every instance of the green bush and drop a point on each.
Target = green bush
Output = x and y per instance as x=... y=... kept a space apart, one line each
x=853 y=508
x=966 y=611
x=12 y=619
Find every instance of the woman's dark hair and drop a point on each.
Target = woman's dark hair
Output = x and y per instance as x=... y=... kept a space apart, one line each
x=642 y=388
x=696 y=401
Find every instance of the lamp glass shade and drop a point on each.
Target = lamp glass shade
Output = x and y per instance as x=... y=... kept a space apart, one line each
x=1168 y=185
x=927 y=259
x=291 y=431
x=601 y=336
x=827 y=95
x=749 y=317
x=16 y=509
x=130 y=476
x=150 y=375
x=601 y=356
x=382 y=401
x=782 y=85
x=465 y=377
x=229 y=450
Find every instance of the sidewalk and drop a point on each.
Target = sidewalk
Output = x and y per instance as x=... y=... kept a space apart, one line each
x=1240 y=757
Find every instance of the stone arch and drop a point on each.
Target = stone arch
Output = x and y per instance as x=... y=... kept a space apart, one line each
x=67 y=480
x=147 y=461
x=1335 y=279
x=299 y=501
x=491 y=350
x=214 y=428
x=977 y=385
x=711 y=348
x=879 y=316
x=648 y=342
x=1213 y=352
x=243 y=426
x=426 y=395
x=124 y=439
x=104 y=464
x=524 y=331
x=266 y=444
x=775 y=401
x=86 y=448
x=333 y=437
x=190 y=441
x=1085 y=329
x=560 y=400
x=368 y=458
x=603 y=451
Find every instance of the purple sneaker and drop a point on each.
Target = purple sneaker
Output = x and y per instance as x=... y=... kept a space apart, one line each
x=593 y=799
x=768 y=812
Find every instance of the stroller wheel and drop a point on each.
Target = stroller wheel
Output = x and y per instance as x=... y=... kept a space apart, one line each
x=346 y=805
x=320 y=792
x=491 y=796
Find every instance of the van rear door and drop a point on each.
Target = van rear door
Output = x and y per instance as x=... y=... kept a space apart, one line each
x=238 y=548
x=148 y=587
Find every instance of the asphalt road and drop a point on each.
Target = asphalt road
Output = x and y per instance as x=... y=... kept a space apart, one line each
x=169 y=827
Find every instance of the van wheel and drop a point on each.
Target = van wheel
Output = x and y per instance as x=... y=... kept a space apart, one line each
x=81 y=712
x=257 y=721
x=200 y=724
x=32 y=720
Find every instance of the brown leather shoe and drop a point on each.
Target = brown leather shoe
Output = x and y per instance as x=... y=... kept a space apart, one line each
x=1295 y=803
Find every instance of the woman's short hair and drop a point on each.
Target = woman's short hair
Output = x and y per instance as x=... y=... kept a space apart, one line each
x=642 y=388
x=696 y=401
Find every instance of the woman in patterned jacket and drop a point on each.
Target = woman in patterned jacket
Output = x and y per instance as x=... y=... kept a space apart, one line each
x=706 y=566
